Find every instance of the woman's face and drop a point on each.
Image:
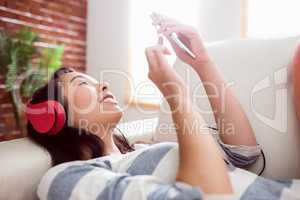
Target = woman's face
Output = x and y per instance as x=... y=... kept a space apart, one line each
x=90 y=104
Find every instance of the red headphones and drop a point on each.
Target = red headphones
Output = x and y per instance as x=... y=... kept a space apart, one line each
x=47 y=117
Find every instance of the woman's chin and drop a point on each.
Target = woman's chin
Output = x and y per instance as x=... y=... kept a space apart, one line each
x=116 y=108
x=112 y=109
x=109 y=106
x=118 y=111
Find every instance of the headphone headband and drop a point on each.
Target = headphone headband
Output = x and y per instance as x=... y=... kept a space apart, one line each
x=47 y=117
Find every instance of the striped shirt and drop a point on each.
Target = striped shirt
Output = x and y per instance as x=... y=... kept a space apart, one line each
x=150 y=173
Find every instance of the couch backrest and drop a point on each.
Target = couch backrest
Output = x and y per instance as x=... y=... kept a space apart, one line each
x=259 y=73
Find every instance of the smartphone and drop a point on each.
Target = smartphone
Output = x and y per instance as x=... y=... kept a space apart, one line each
x=157 y=19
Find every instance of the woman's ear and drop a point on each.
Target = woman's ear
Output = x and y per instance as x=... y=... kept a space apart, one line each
x=296 y=80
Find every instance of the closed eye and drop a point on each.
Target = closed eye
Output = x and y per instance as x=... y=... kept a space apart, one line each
x=83 y=83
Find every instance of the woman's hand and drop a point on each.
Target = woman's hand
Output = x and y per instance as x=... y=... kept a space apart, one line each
x=160 y=71
x=158 y=64
x=208 y=73
x=190 y=37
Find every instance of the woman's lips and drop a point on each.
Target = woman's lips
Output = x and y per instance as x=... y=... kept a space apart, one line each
x=109 y=99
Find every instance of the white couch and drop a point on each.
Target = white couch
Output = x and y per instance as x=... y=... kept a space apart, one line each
x=23 y=163
x=253 y=65
x=259 y=73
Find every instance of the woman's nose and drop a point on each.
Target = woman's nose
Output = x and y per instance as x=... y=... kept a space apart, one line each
x=103 y=86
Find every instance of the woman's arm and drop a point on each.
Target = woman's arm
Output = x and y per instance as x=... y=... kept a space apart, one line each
x=201 y=162
x=233 y=124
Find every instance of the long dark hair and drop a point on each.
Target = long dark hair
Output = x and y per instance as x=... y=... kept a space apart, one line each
x=70 y=143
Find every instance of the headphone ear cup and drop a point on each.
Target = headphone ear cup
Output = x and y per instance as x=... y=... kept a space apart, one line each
x=41 y=116
x=60 y=118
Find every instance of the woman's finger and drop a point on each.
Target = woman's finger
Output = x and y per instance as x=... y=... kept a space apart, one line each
x=167 y=51
x=151 y=52
x=176 y=29
x=187 y=31
x=160 y=40
x=169 y=22
x=165 y=28
x=151 y=58
x=173 y=44
x=160 y=52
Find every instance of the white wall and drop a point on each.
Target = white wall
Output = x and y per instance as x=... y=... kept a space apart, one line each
x=220 y=19
x=108 y=38
x=108 y=49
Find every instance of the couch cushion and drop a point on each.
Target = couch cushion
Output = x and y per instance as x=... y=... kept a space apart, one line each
x=258 y=72
x=23 y=163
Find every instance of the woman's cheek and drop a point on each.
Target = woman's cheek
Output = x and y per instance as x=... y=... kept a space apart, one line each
x=85 y=98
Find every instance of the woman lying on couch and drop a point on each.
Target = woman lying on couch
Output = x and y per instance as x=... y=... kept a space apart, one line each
x=74 y=117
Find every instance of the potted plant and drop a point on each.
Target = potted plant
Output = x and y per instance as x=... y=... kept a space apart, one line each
x=25 y=67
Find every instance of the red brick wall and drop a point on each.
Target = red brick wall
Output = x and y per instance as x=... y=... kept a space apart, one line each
x=56 y=21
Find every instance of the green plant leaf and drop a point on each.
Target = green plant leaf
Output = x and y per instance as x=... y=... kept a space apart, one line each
x=26 y=36
x=51 y=59
x=16 y=54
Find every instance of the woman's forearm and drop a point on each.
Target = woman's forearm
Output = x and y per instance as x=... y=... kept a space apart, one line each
x=201 y=162
x=234 y=126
